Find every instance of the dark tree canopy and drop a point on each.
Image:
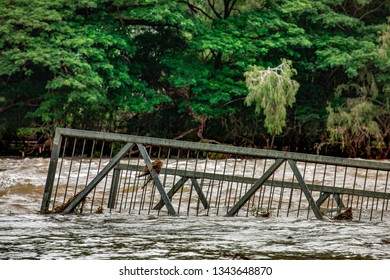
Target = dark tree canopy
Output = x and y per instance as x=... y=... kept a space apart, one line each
x=176 y=69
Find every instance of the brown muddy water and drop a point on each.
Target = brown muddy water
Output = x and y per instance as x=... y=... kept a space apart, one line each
x=26 y=234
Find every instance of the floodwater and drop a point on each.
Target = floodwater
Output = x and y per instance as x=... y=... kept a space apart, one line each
x=26 y=234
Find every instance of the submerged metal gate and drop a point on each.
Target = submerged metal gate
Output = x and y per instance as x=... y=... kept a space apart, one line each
x=94 y=172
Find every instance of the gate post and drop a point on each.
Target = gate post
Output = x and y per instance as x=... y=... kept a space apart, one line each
x=52 y=171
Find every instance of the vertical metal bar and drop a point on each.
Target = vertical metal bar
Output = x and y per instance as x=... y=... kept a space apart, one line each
x=203 y=183
x=220 y=188
x=281 y=191
x=372 y=205
x=212 y=183
x=52 y=171
x=228 y=185
x=344 y=180
x=127 y=185
x=60 y=171
x=105 y=183
x=134 y=193
x=89 y=170
x=122 y=204
x=334 y=195
x=175 y=173
x=78 y=173
x=312 y=182
x=231 y=186
x=114 y=188
x=241 y=183
x=323 y=183
x=246 y=188
x=305 y=189
x=94 y=191
x=271 y=193
x=364 y=188
x=117 y=194
x=238 y=183
x=291 y=195
x=70 y=168
x=182 y=189
x=353 y=188
x=384 y=194
x=97 y=172
x=192 y=185
x=300 y=193
x=153 y=191
x=262 y=188
x=166 y=175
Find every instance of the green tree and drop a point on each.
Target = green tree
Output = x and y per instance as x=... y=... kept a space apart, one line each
x=272 y=90
x=137 y=66
x=362 y=122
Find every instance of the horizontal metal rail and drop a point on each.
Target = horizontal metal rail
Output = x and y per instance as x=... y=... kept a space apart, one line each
x=224 y=149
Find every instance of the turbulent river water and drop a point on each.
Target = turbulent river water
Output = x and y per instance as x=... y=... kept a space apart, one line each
x=26 y=234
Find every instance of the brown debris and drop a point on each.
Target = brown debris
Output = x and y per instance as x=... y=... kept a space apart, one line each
x=99 y=210
x=62 y=207
x=344 y=216
x=156 y=165
x=264 y=214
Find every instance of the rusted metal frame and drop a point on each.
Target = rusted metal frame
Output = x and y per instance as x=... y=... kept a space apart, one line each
x=156 y=180
x=255 y=187
x=305 y=189
x=83 y=194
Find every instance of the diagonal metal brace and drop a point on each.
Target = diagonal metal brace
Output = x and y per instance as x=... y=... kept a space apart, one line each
x=201 y=195
x=179 y=185
x=171 y=192
x=83 y=194
x=305 y=189
x=156 y=180
x=324 y=196
x=255 y=187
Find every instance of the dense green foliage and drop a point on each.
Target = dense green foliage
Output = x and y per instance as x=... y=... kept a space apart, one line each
x=272 y=89
x=176 y=69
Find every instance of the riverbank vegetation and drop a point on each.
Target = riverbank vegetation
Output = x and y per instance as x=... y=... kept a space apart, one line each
x=197 y=70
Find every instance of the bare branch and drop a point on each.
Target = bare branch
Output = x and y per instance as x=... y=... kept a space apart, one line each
x=372 y=11
x=192 y=7
x=14 y=103
x=212 y=6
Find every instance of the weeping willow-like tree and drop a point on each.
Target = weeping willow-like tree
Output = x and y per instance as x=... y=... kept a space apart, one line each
x=272 y=90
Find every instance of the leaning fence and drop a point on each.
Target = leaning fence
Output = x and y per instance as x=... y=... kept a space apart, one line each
x=94 y=172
